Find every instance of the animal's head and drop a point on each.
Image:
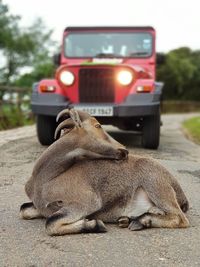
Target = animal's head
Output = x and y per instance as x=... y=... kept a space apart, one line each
x=89 y=134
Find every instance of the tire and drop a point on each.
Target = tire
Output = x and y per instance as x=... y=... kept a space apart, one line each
x=46 y=126
x=151 y=132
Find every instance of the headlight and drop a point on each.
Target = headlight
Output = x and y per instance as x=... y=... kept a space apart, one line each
x=67 y=77
x=125 y=77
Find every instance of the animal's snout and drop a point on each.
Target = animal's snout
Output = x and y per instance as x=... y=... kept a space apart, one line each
x=122 y=153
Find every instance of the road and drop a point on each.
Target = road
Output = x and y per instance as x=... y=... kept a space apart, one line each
x=25 y=243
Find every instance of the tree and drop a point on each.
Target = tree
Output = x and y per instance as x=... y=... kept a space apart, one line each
x=40 y=71
x=22 y=47
x=179 y=73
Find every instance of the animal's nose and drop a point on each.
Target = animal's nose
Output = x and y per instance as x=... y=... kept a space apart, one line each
x=123 y=153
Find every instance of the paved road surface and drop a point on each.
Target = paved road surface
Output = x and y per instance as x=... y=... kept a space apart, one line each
x=25 y=243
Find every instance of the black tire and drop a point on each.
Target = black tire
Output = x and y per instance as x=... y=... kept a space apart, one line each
x=46 y=126
x=151 y=132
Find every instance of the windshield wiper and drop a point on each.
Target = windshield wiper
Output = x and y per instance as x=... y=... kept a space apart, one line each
x=107 y=55
x=138 y=54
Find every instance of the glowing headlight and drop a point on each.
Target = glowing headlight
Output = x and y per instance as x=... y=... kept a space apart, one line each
x=125 y=77
x=67 y=77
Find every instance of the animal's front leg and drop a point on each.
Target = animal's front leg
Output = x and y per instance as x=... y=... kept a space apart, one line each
x=71 y=220
x=58 y=225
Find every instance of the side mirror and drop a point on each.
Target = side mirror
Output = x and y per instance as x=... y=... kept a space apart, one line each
x=56 y=59
x=160 y=58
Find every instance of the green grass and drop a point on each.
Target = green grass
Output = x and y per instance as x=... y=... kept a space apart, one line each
x=11 y=117
x=192 y=129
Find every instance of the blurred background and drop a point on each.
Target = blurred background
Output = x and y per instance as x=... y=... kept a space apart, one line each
x=31 y=32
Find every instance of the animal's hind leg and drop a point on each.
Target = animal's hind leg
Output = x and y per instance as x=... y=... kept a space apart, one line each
x=156 y=211
x=173 y=216
x=159 y=221
x=29 y=212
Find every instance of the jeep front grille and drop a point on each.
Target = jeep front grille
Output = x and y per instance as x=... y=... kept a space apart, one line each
x=96 y=85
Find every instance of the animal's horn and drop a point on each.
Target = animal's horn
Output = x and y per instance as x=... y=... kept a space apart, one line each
x=64 y=124
x=82 y=115
x=75 y=117
x=62 y=113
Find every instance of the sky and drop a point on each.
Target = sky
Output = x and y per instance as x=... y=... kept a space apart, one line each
x=177 y=22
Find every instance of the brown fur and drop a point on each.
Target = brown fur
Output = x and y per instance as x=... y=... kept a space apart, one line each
x=79 y=197
x=102 y=189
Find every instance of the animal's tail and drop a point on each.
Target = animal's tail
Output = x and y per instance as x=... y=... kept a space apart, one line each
x=181 y=197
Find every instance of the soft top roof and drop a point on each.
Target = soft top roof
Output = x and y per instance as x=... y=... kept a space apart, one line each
x=146 y=28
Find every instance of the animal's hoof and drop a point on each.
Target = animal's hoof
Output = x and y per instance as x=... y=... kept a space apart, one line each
x=122 y=154
x=29 y=212
x=95 y=226
x=123 y=222
x=185 y=206
x=146 y=221
x=101 y=227
x=135 y=226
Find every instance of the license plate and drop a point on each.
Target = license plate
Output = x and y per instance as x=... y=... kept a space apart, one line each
x=97 y=111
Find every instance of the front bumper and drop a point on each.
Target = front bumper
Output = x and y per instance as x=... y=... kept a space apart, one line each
x=136 y=105
x=48 y=103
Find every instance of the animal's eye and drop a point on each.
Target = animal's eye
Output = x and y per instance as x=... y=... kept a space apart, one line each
x=98 y=125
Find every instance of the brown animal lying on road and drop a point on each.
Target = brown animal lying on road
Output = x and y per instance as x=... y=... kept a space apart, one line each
x=86 y=178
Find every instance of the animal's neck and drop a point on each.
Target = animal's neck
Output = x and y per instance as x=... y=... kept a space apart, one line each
x=53 y=160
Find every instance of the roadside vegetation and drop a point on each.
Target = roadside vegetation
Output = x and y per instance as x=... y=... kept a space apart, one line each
x=192 y=129
x=180 y=73
x=12 y=117
x=26 y=57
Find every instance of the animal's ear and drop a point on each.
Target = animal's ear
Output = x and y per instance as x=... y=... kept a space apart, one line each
x=66 y=124
x=65 y=131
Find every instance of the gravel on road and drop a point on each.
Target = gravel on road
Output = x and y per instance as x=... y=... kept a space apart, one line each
x=25 y=243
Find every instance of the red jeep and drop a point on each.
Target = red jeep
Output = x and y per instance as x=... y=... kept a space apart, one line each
x=108 y=72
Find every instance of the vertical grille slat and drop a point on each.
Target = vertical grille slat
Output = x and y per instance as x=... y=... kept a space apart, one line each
x=96 y=85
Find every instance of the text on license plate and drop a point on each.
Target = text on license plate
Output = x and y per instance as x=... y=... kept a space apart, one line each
x=96 y=111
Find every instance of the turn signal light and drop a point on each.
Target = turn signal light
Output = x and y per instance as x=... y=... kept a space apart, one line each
x=47 y=88
x=144 y=88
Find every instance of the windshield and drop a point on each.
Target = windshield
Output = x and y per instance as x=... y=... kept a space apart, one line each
x=84 y=45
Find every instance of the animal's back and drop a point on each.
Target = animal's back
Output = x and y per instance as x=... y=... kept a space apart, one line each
x=114 y=181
